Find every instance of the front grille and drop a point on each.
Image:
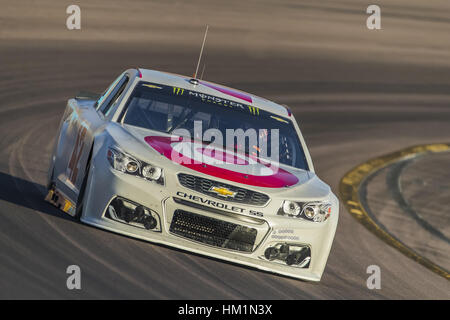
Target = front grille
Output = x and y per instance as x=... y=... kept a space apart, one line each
x=203 y=185
x=212 y=231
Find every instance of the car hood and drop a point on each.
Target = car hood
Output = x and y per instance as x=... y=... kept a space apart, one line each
x=217 y=162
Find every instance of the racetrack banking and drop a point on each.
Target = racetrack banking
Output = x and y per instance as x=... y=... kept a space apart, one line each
x=352 y=181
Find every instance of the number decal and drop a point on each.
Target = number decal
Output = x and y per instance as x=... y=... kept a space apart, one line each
x=73 y=167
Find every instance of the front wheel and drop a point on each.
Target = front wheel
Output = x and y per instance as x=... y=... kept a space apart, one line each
x=80 y=202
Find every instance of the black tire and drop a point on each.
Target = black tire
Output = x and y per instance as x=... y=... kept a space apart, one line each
x=79 y=205
x=50 y=183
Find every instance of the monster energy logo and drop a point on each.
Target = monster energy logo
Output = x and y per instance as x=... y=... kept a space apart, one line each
x=178 y=91
x=211 y=99
x=216 y=100
x=253 y=110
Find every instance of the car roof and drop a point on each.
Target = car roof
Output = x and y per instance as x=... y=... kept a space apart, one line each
x=214 y=89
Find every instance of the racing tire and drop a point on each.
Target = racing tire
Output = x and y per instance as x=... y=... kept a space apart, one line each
x=50 y=182
x=79 y=205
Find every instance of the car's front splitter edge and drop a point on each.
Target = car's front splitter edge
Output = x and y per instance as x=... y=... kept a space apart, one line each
x=193 y=247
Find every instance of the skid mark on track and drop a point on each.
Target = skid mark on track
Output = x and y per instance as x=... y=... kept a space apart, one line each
x=349 y=190
x=393 y=182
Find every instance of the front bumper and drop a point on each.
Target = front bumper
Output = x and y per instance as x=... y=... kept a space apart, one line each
x=105 y=184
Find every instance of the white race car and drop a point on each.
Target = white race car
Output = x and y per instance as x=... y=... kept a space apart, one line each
x=148 y=159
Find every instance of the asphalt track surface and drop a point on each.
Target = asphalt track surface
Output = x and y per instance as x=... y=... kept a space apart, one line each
x=406 y=200
x=356 y=94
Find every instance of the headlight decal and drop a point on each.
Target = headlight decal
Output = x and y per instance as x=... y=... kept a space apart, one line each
x=315 y=211
x=128 y=164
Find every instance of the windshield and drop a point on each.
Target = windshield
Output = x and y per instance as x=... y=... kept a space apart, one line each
x=184 y=112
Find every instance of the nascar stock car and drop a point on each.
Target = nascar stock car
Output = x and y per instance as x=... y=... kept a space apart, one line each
x=140 y=160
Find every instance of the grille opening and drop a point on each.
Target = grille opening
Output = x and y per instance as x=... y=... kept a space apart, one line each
x=212 y=231
x=204 y=185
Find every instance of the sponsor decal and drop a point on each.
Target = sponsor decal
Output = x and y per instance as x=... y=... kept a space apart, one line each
x=219 y=205
x=178 y=91
x=279 y=119
x=207 y=98
x=216 y=100
x=254 y=110
x=153 y=86
x=284 y=234
x=253 y=172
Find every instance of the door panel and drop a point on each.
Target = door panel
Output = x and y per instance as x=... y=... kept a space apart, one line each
x=82 y=123
x=77 y=134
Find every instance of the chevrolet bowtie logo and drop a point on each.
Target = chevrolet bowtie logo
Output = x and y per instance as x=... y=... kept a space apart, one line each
x=224 y=192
